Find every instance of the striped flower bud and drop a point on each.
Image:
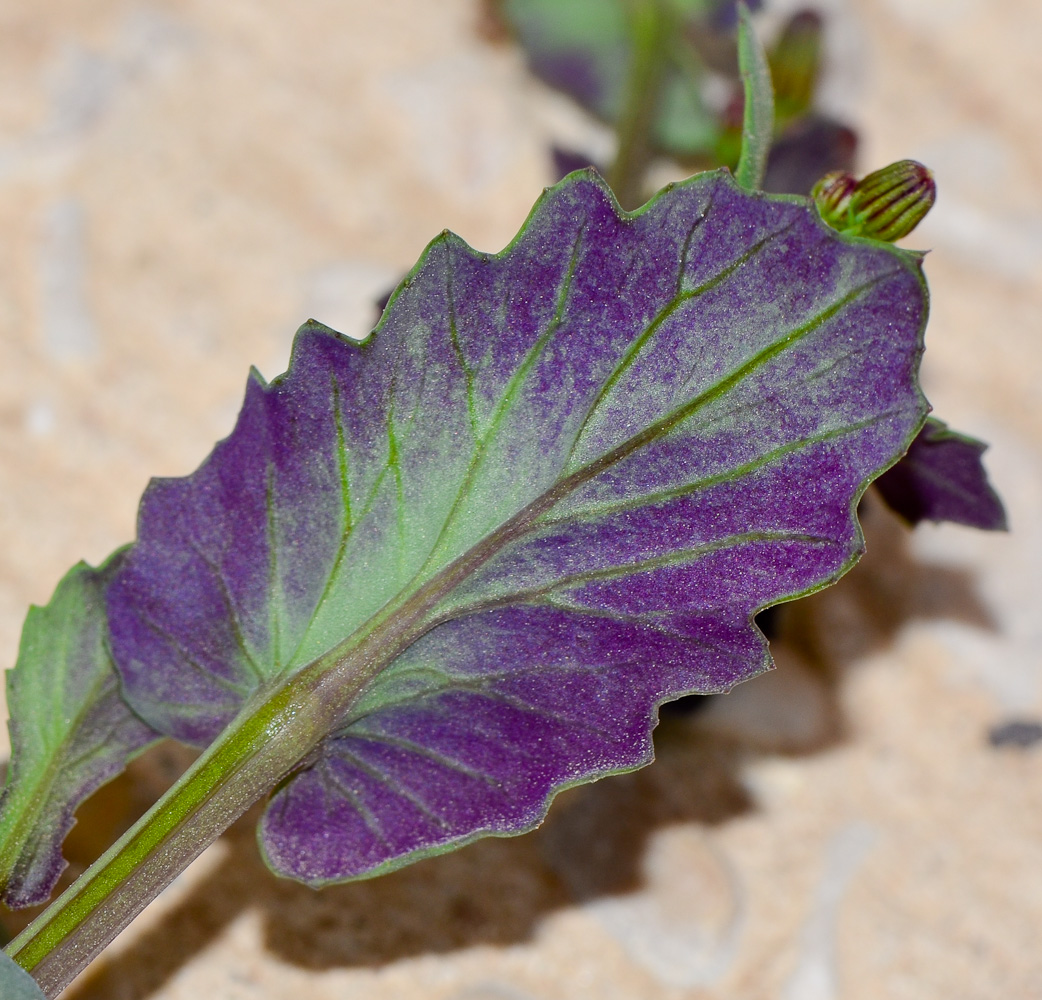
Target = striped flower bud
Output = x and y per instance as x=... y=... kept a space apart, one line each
x=886 y=205
x=832 y=196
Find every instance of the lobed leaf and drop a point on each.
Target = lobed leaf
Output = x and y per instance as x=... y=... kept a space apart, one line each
x=551 y=490
x=71 y=732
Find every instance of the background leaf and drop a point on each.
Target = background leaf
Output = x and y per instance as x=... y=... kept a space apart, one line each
x=584 y=47
x=70 y=731
x=942 y=478
x=16 y=983
x=573 y=471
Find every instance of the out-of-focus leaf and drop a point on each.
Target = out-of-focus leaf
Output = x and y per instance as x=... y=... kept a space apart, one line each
x=808 y=149
x=795 y=60
x=723 y=14
x=16 y=983
x=567 y=161
x=70 y=731
x=584 y=47
x=942 y=478
x=549 y=493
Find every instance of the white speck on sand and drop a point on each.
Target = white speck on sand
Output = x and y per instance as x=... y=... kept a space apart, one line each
x=68 y=327
x=39 y=418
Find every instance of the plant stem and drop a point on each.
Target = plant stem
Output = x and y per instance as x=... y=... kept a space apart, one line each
x=651 y=26
x=758 y=116
x=237 y=769
x=275 y=732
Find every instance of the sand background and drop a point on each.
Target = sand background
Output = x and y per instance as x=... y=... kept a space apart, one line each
x=182 y=183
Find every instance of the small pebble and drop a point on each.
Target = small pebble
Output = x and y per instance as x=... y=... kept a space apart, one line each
x=1020 y=733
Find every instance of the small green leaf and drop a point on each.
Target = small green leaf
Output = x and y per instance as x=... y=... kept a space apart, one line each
x=758 y=118
x=70 y=732
x=15 y=982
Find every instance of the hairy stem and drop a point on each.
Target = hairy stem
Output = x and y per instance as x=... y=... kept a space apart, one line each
x=758 y=116
x=237 y=770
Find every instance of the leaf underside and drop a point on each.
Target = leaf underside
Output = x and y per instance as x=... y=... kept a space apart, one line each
x=604 y=448
x=71 y=732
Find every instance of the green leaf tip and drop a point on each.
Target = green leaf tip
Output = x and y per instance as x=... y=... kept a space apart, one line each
x=886 y=205
x=758 y=116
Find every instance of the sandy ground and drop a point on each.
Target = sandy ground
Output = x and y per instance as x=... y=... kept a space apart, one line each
x=182 y=183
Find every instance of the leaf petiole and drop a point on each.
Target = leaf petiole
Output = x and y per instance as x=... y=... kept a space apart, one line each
x=235 y=771
x=274 y=732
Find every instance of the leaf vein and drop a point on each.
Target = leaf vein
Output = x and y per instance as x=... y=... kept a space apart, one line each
x=411 y=746
x=368 y=817
x=707 y=482
x=234 y=614
x=635 y=346
x=395 y=786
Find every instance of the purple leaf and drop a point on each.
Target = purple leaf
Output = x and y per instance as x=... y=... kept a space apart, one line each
x=70 y=732
x=549 y=493
x=942 y=478
x=565 y=161
x=807 y=150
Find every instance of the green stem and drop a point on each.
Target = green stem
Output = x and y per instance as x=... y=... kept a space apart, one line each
x=758 y=118
x=651 y=26
x=274 y=733
x=239 y=768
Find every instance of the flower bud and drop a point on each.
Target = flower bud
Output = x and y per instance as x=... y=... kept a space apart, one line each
x=832 y=196
x=886 y=205
x=891 y=202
